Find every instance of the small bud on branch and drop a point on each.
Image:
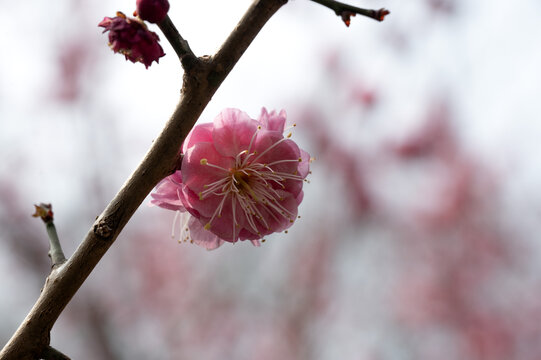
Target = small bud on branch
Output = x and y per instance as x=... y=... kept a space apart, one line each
x=45 y=212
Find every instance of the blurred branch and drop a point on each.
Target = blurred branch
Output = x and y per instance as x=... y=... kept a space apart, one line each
x=181 y=46
x=347 y=11
x=199 y=85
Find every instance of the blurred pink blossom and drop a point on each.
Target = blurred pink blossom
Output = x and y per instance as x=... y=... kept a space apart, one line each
x=240 y=179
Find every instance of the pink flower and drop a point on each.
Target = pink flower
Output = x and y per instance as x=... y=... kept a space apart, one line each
x=132 y=38
x=240 y=179
x=153 y=11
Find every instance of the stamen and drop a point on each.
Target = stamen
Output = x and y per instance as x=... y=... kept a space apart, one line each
x=233 y=205
x=213 y=187
x=217 y=211
x=205 y=162
x=290 y=127
x=177 y=214
x=284 y=161
x=269 y=149
x=250 y=146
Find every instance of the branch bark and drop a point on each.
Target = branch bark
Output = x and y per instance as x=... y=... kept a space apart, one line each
x=201 y=81
x=346 y=10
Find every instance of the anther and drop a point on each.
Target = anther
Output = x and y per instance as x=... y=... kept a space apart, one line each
x=203 y=161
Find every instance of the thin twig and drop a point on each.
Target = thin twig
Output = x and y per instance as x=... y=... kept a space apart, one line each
x=45 y=212
x=179 y=44
x=55 y=251
x=345 y=10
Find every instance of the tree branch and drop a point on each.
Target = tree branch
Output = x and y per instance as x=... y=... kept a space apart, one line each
x=51 y=353
x=346 y=11
x=200 y=83
x=181 y=46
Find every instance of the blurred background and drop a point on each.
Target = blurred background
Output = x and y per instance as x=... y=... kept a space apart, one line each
x=419 y=235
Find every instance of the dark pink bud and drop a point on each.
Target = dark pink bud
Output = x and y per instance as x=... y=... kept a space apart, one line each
x=346 y=17
x=131 y=37
x=153 y=11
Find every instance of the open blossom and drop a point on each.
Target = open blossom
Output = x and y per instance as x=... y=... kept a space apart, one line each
x=240 y=179
x=131 y=37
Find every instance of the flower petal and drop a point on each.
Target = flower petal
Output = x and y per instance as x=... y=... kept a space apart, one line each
x=233 y=131
x=274 y=220
x=273 y=121
x=202 y=165
x=203 y=237
x=200 y=133
x=166 y=193
x=304 y=164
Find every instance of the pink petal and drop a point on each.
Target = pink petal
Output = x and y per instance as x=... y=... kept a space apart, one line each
x=276 y=222
x=299 y=197
x=203 y=237
x=166 y=194
x=273 y=121
x=223 y=226
x=256 y=242
x=233 y=131
x=200 y=133
x=196 y=175
x=285 y=150
x=304 y=165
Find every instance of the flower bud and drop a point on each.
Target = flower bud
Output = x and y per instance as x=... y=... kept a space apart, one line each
x=131 y=37
x=153 y=11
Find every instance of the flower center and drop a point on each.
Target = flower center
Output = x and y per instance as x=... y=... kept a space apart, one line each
x=254 y=187
x=241 y=180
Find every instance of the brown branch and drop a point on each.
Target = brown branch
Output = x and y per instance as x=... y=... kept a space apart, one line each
x=52 y=354
x=200 y=83
x=181 y=46
x=346 y=11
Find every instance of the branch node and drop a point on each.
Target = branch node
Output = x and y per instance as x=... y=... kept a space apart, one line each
x=103 y=230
